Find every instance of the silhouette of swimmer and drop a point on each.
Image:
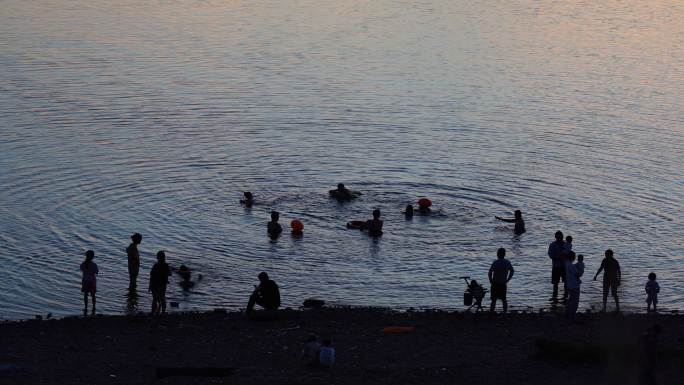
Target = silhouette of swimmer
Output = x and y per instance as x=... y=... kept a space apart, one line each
x=424 y=209
x=409 y=211
x=611 y=278
x=374 y=226
x=186 y=283
x=273 y=227
x=249 y=198
x=518 y=220
x=343 y=192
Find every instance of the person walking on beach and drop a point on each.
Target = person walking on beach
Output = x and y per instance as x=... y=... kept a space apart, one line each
x=159 y=278
x=89 y=282
x=611 y=278
x=266 y=294
x=133 y=260
x=500 y=273
x=518 y=220
x=556 y=253
x=652 y=289
x=374 y=226
x=573 y=282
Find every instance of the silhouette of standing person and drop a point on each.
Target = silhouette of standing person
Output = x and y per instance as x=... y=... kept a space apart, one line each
x=519 y=227
x=556 y=253
x=573 y=281
x=133 y=259
x=266 y=294
x=500 y=273
x=612 y=277
x=89 y=282
x=159 y=278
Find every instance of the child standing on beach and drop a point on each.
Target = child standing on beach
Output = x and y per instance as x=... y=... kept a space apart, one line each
x=89 y=282
x=312 y=351
x=327 y=356
x=652 y=288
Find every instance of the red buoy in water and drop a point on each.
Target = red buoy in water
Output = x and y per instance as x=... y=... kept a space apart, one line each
x=297 y=225
x=424 y=202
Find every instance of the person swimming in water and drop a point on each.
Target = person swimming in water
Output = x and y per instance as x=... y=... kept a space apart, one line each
x=409 y=211
x=273 y=227
x=518 y=220
x=249 y=198
x=374 y=226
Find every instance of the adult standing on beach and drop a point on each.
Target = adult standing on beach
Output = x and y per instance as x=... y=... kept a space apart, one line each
x=556 y=253
x=134 y=259
x=612 y=277
x=89 y=282
x=266 y=295
x=159 y=278
x=500 y=273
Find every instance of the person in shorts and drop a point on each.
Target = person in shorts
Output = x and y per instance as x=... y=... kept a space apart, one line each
x=557 y=251
x=89 y=282
x=159 y=278
x=500 y=273
x=652 y=289
x=611 y=278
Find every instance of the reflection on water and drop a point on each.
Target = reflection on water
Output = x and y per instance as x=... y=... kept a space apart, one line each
x=155 y=117
x=131 y=300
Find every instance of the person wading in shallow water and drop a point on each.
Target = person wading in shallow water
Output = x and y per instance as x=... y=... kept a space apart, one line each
x=556 y=253
x=159 y=278
x=134 y=259
x=518 y=220
x=89 y=282
x=374 y=226
x=612 y=277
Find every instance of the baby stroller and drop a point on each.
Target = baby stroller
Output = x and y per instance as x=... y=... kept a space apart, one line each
x=474 y=291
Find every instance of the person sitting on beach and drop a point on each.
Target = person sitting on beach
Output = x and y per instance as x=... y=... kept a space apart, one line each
x=266 y=294
x=312 y=351
x=374 y=226
x=652 y=289
x=89 y=282
x=519 y=227
x=409 y=211
x=557 y=255
x=580 y=264
x=500 y=273
x=611 y=278
x=273 y=227
x=159 y=278
x=327 y=356
x=133 y=259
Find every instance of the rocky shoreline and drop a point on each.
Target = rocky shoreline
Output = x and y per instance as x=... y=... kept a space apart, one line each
x=443 y=348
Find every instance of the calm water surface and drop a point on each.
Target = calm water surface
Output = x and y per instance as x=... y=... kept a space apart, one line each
x=154 y=117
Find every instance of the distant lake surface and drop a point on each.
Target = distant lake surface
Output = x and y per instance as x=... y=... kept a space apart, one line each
x=154 y=117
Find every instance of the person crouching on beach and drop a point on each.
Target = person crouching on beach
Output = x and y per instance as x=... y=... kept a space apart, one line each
x=312 y=351
x=266 y=294
x=159 y=278
x=89 y=282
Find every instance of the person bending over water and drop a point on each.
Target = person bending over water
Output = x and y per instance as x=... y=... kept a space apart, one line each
x=133 y=259
x=273 y=227
x=518 y=220
x=89 y=282
x=266 y=295
x=374 y=226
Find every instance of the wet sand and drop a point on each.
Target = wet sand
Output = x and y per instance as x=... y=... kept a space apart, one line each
x=444 y=348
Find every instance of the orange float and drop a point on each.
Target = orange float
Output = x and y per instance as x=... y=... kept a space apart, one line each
x=297 y=225
x=424 y=202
